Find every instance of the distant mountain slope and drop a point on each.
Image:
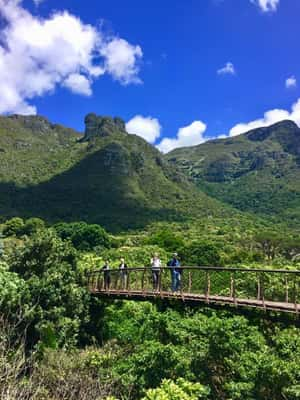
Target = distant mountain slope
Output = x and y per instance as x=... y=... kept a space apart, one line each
x=258 y=171
x=105 y=176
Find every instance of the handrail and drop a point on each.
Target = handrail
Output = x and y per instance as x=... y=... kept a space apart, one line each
x=274 y=289
x=206 y=268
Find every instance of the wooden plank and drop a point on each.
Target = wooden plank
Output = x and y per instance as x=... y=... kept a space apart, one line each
x=261 y=304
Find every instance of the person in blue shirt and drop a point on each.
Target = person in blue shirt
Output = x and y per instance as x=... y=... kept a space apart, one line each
x=176 y=270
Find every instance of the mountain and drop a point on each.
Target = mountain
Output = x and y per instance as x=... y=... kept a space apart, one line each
x=105 y=176
x=258 y=171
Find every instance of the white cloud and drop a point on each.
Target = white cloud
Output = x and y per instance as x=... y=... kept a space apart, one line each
x=78 y=84
x=266 y=5
x=147 y=127
x=190 y=135
x=228 y=69
x=121 y=60
x=290 y=82
x=38 y=54
x=270 y=117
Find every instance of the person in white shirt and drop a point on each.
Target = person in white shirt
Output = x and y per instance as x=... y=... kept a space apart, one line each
x=123 y=273
x=155 y=267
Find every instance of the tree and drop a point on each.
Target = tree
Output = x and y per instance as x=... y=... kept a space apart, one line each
x=166 y=239
x=179 y=390
x=33 y=225
x=83 y=236
x=14 y=226
x=269 y=242
x=58 y=299
x=201 y=253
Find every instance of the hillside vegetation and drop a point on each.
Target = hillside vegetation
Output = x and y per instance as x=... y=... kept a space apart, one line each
x=105 y=176
x=258 y=171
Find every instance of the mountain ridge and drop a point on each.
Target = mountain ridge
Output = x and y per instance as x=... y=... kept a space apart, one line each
x=258 y=171
x=104 y=176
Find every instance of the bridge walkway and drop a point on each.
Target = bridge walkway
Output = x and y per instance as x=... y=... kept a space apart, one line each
x=266 y=289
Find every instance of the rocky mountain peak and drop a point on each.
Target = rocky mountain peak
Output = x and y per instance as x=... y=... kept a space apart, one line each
x=286 y=127
x=101 y=126
x=35 y=123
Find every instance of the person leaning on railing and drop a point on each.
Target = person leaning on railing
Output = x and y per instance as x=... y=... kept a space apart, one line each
x=155 y=267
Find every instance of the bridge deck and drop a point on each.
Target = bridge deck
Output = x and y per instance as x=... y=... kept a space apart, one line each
x=265 y=289
x=188 y=297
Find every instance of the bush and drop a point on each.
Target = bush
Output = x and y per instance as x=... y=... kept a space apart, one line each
x=201 y=253
x=179 y=390
x=33 y=225
x=166 y=239
x=14 y=226
x=82 y=235
x=58 y=300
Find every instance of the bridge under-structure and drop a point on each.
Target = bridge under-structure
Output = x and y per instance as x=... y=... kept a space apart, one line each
x=265 y=289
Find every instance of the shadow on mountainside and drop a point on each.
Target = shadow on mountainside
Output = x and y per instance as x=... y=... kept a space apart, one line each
x=102 y=188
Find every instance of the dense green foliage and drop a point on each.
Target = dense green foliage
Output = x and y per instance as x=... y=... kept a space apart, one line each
x=82 y=235
x=45 y=280
x=86 y=348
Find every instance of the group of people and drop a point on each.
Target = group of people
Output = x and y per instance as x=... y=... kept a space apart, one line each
x=155 y=265
x=176 y=271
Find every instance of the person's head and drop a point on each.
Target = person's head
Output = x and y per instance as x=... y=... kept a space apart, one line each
x=122 y=260
x=106 y=262
x=155 y=255
x=175 y=255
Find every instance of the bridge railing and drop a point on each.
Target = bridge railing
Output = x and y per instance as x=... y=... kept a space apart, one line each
x=281 y=286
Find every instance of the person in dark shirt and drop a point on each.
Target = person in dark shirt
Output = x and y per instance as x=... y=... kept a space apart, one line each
x=106 y=275
x=175 y=269
x=123 y=273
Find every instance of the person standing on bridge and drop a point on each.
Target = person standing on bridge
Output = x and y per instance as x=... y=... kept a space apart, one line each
x=106 y=275
x=155 y=267
x=176 y=270
x=123 y=273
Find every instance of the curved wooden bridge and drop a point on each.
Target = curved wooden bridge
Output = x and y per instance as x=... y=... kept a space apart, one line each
x=267 y=289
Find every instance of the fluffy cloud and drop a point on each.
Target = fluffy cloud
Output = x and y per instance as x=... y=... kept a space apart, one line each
x=228 y=69
x=266 y=5
x=270 y=117
x=78 y=84
x=190 y=135
x=291 y=82
x=147 y=127
x=37 y=55
x=120 y=60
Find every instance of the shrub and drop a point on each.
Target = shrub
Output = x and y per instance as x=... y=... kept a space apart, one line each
x=14 y=226
x=82 y=235
x=201 y=253
x=166 y=239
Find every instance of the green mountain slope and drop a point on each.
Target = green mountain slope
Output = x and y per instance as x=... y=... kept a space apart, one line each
x=258 y=171
x=106 y=176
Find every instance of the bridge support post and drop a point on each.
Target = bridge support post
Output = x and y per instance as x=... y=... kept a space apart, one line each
x=207 y=289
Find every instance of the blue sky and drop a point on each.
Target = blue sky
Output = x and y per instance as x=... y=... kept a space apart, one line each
x=193 y=68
